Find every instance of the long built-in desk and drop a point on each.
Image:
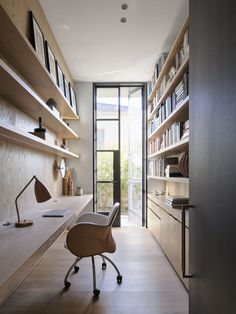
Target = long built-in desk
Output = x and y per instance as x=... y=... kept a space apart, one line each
x=21 y=248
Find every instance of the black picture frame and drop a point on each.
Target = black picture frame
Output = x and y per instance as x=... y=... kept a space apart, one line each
x=73 y=100
x=51 y=62
x=37 y=39
x=67 y=90
x=60 y=78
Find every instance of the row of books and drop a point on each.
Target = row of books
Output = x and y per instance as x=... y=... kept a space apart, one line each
x=172 y=101
x=175 y=133
x=183 y=52
x=181 y=55
x=158 y=67
x=157 y=167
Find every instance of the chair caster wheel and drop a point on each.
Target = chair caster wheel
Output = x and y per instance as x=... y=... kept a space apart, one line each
x=67 y=284
x=104 y=266
x=76 y=269
x=119 y=279
x=96 y=292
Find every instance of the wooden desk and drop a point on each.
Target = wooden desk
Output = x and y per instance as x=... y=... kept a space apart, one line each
x=21 y=248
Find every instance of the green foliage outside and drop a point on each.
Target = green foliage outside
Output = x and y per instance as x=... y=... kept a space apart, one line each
x=105 y=173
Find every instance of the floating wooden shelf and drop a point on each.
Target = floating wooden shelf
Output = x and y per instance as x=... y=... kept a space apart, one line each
x=16 y=48
x=175 y=148
x=171 y=179
x=171 y=56
x=181 y=113
x=14 y=89
x=19 y=137
x=170 y=88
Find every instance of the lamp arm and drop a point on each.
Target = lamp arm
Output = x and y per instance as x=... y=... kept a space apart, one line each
x=17 y=210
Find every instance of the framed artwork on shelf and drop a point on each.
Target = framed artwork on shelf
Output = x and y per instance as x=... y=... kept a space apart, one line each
x=67 y=89
x=60 y=78
x=73 y=99
x=51 y=62
x=38 y=39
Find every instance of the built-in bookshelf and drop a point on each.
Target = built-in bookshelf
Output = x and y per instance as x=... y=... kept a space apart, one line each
x=168 y=147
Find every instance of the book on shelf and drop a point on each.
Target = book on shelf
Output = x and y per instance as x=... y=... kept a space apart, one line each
x=157 y=167
x=176 y=201
x=183 y=52
x=185 y=131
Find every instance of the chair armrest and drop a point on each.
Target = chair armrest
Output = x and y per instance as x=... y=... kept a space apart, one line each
x=93 y=218
x=87 y=239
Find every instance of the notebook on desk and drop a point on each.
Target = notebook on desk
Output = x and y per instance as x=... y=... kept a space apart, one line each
x=56 y=213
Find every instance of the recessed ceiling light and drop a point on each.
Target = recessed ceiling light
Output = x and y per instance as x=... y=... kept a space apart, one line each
x=124 y=6
x=123 y=20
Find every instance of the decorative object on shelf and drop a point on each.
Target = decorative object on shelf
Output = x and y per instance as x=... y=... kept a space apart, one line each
x=40 y=131
x=53 y=105
x=183 y=164
x=73 y=99
x=38 y=39
x=62 y=168
x=60 y=78
x=51 y=62
x=78 y=191
x=67 y=182
x=64 y=144
x=42 y=194
x=66 y=89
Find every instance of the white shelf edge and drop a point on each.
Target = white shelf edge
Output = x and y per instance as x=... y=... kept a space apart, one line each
x=170 y=179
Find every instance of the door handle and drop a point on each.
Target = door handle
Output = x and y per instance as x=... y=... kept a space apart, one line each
x=183 y=253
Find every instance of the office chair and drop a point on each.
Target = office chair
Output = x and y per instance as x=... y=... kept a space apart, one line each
x=92 y=235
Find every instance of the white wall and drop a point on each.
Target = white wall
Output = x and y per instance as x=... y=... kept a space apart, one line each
x=82 y=169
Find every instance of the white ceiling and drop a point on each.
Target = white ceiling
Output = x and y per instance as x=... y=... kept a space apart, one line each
x=98 y=48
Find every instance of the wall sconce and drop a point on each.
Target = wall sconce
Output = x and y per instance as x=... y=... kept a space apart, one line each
x=42 y=194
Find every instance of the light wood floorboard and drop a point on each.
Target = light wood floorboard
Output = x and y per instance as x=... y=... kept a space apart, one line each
x=149 y=286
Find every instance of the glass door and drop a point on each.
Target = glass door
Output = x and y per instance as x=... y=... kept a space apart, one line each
x=119 y=166
x=107 y=149
x=135 y=156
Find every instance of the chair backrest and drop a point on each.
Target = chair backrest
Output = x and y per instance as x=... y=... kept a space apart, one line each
x=112 y=214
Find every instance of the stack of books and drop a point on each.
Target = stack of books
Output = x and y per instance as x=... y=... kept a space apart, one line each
x=181 y=90
x=185 y=129
x=176 y=201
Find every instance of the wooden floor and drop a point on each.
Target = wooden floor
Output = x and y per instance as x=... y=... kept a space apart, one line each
x=150 y=285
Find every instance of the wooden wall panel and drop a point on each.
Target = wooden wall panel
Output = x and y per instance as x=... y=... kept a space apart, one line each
x=18 y=10
x=19 y=164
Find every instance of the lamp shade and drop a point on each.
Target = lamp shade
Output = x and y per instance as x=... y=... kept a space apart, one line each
x=42 y=193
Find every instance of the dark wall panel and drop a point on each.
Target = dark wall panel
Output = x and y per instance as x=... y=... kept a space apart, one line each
x=213 y=156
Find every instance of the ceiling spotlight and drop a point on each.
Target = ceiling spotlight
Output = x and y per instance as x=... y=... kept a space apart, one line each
x=123 y=20
x=124 y=6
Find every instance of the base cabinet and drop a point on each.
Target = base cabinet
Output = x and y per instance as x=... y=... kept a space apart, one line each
x=167 y=230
